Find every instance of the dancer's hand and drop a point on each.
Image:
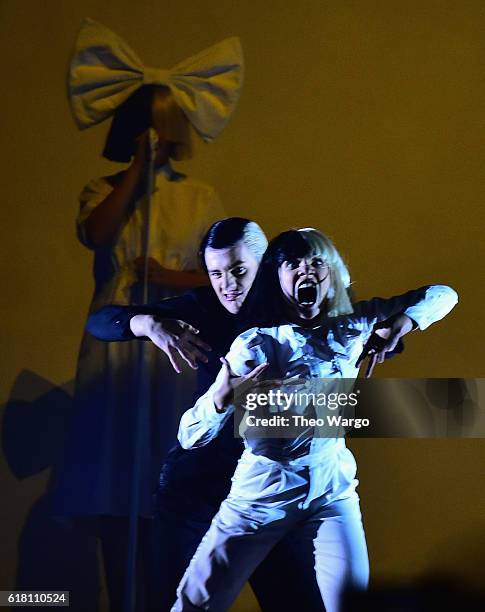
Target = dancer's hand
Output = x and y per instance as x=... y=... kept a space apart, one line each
x=177 y=339
x=384 y=339
x=227 y=383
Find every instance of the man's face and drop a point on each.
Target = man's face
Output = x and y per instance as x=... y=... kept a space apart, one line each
x=231 y=274
x=305 y=283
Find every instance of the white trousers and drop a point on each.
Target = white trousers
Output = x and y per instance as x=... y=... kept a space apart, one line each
x=316 y=503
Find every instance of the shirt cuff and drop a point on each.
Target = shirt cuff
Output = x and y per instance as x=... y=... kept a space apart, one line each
x=436 y=304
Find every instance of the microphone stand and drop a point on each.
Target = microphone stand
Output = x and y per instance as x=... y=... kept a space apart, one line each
x=142 y=397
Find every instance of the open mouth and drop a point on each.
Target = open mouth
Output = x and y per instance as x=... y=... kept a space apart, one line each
x=306 y=293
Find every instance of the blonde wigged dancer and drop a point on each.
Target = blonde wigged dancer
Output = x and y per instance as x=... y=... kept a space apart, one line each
x=305 y=485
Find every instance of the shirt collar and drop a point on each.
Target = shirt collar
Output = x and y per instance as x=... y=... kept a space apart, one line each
x=304 y=329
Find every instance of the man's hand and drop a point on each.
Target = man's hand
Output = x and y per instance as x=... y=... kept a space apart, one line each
x=177 y=339
x=384 y=339
x=228 y=383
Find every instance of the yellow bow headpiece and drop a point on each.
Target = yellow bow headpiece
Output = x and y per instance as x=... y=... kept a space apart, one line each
x=104 y=72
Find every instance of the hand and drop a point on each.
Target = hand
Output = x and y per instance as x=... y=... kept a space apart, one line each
x=148 y=144
x=177 y=339
x=142 y=151
x=384 y=339
x=155 y=272
x=228 y=383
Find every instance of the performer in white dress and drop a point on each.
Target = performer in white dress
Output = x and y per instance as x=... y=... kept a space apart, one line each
x=152 y=110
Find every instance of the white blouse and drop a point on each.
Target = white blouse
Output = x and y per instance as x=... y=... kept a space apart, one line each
x=327 y=351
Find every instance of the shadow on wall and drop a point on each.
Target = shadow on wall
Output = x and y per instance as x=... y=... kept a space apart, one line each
x=52 y=554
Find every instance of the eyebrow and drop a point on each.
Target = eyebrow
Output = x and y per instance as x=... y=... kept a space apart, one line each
x=233 y=265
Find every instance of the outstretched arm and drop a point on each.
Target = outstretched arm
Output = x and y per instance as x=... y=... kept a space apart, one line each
x=390 y=320
x=112 y=323
x=424 y=306
x=172 y=325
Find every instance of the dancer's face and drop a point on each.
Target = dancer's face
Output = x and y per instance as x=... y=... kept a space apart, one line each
x=305 y=283
x=231 y=273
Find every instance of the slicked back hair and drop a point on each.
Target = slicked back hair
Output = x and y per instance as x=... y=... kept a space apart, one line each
x=227 y=232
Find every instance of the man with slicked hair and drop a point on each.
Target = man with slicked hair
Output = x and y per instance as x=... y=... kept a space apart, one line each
x=198 y=328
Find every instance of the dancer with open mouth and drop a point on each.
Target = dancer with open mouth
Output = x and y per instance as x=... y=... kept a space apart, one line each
x=304 y=486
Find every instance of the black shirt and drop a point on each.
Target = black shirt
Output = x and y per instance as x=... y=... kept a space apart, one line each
x=192 y=482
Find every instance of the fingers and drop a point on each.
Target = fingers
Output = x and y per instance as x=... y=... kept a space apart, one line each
x=362 y=356
x=187 y=347
x=225 y=363
x=196 y=341
x=392 y=341
x=382 y=332
x=191 y=335
x=370 y=366
x=226 y=368
x=198 y=355
x=377 y=344
x=229 y=376
x=178 y=344
x=188 y=358
x=172 y=349
x=172 y=356
x=191 y=356
x=187 y=326
x=256 y=372
x=385 y=347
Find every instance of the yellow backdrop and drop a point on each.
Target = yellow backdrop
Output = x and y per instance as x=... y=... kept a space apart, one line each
x=362 y=118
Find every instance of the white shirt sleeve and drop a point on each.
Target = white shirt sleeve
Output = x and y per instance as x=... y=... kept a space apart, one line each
x=425 y=306
x=438 y=301
x=201 y=424
x=92 y=195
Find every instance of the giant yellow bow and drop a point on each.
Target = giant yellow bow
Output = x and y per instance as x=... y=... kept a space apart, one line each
x=104 y=72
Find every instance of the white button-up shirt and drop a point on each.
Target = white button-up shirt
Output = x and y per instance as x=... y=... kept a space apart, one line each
x=327 y=351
